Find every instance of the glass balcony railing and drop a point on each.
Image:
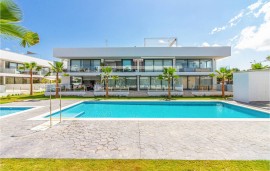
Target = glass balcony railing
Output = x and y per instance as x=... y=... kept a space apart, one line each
x=16 y=71
x=136 y=69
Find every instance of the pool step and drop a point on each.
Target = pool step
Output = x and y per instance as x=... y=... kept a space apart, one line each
x=44 y=126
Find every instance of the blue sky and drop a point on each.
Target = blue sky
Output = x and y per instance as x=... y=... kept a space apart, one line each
x=88 y=23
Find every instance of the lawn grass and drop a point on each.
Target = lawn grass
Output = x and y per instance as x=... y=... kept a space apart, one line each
x=136 y=165
x=40 y=96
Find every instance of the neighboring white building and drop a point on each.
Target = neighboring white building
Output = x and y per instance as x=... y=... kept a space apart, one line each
x=139 y=67
x=251 y=86
x=12 y=78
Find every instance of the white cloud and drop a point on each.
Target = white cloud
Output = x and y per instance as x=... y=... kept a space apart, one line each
x=237 y=18
x=206 y=44
x=7 y=49
x=257 y=37
x=255 y=5
x=218 y=29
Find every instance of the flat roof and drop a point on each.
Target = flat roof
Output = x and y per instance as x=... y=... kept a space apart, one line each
x=138 y=52
x=20 y=58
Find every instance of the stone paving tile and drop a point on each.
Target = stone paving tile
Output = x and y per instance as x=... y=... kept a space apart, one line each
x=132 y=139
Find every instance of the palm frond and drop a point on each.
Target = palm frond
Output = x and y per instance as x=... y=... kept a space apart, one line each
x=9 y=11
x=9 y=30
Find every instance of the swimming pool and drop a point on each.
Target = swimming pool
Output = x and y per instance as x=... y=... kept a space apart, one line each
x=158 y=110
x=5 y=111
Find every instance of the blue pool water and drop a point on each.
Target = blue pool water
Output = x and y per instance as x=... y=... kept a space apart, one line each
x=159 y=110
x=10 y=110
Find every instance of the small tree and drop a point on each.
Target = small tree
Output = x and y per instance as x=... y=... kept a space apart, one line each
x=257 y=66
x=105 y=75
x=168 y=75
x=32 y=66
x=223 y=74
x=57 y=68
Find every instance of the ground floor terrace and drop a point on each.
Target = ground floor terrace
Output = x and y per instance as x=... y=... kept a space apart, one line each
x=131 y=139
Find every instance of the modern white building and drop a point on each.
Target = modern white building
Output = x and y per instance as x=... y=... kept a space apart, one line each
x=250 y=86
x=138 y=67
x=12 y=78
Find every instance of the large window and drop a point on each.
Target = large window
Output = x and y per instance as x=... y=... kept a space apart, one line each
x=144 y=83
x=127 y=65
x=75 y=65
x=193 y=64
x=193 y=82
x=1 y=80
x=206 y=65
x=156 y=65
x=124 y=82
x=155 y=83
x=181 y=65
x=84 y=65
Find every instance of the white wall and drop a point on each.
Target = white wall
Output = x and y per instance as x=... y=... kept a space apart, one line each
x=127 y=52
x=20 y=58
x=25 y=86
x=252 y=86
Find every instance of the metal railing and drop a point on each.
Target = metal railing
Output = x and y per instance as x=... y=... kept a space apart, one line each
x=60 y=105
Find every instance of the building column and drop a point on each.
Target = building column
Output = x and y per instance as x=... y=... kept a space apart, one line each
x=4 y=80
x=174 y=62
x=138 y=83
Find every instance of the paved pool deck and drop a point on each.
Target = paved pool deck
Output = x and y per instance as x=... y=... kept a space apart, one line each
x=131 y=139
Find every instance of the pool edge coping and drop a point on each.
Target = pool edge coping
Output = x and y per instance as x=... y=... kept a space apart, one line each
x=41 y=117
x=17 y=113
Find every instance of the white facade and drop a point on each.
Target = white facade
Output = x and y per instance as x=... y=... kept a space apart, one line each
x=251 y=86
x=13 y=78
x=140 y=66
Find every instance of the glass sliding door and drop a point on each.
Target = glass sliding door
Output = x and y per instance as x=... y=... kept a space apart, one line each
x=85 y=65
x=75 y=65
x=158 y=67
x=193 y=65
x=167 y=63
x=206 y=65
x=181 y=81
x=193 y=82
x=181 y=65
x=144 y=83
x=206 y=82
x=149 y=65
x=95 y=65
x=155 y=83
x=127 y=65
x=131 y=82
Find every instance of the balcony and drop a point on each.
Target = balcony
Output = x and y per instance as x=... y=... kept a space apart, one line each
x=16 y=71
x=97 y=69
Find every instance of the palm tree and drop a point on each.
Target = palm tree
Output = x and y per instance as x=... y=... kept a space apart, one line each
x=222 y=74
x=57 y=68
x=230 y=74
x=10 y=16
x=32 y=66
x=168 y=75
x=105 y=75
